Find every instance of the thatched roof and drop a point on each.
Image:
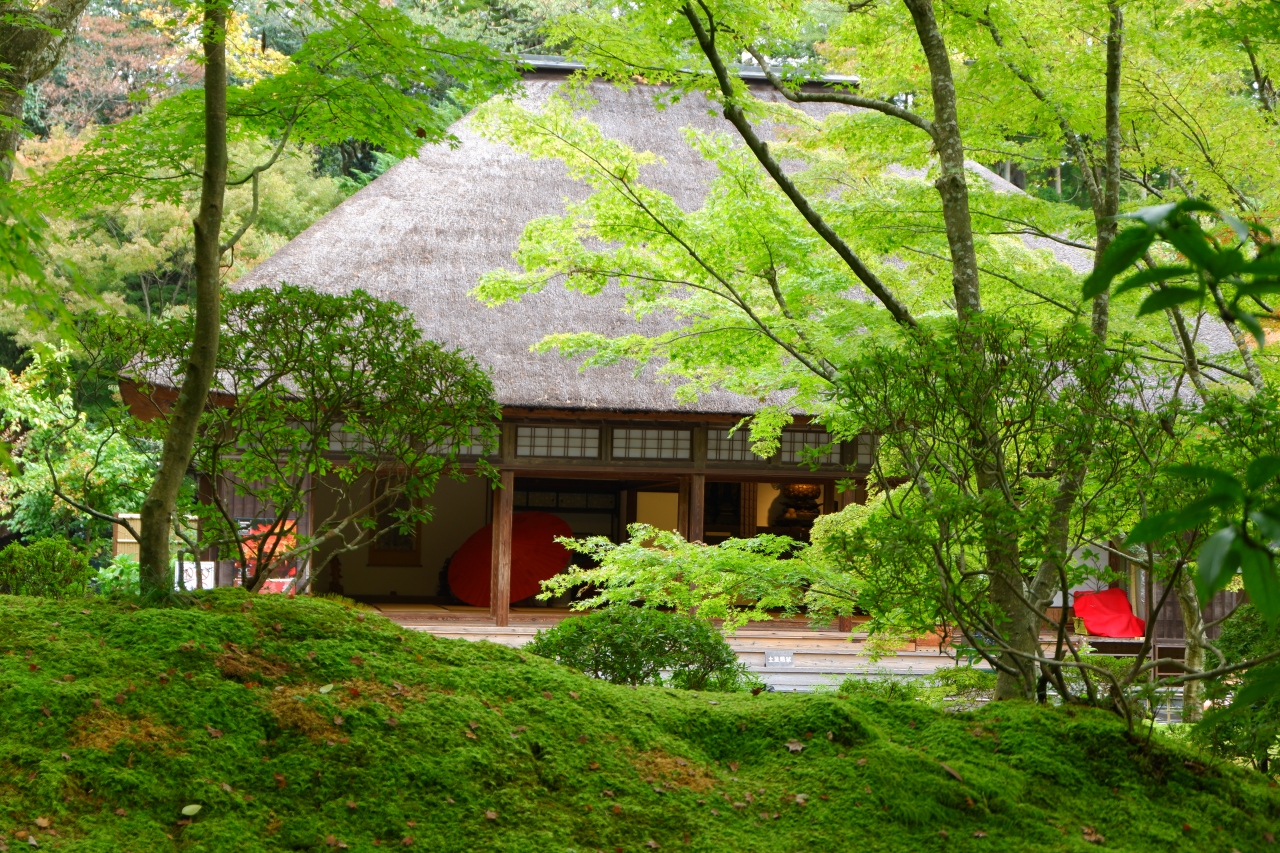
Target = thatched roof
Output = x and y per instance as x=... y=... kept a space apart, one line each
x=423 y=233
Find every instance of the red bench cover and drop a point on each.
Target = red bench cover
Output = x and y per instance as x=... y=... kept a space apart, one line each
x=1108 y=614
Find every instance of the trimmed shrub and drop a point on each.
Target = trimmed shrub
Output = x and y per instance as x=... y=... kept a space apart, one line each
x=630 y=645
x=51 y=568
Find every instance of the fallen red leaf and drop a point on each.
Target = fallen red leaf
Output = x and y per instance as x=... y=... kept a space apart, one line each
x=979 y=834
x=351 y=804
x=280 y=782
x=214 y=733
x=546 y=694
x=573 y=695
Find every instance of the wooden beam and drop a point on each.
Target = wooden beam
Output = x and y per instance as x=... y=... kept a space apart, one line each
x=500 y=562
x=747 y=510
x=697 y=507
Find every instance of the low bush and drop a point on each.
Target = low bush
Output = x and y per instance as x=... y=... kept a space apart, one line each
x=1244 y=731
x=966 y=685
x=119 y=577
x=630 y=645
x=51 y=568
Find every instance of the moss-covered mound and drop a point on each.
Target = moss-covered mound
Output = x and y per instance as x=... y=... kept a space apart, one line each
x=310 y=725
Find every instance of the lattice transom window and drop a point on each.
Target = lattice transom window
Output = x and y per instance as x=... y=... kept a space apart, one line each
x=722 y=447
x=651 y=443
x=794 y=441
x=866 y=450
x=572 y=442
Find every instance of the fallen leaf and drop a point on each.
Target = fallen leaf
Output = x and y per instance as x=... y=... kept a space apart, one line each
x=491 y=815
x=802 y=799
x=280 y=782
x=213 y=733
x=68 y=677
x=546 y=694
x=715 y=813
x=121 y=813
x=862 y=762
x=277 y=627
x=311 y=654
x=351 y=804
x=42 y=822
x=606 y=793
x=393 y=722
x=1186 y=827
x=831 y=735
x=573 y=695
x=795 y=746
x=1088 y=833
x=337 y=719
x=617 y=809
x=942 y=833
x=473 y=724
x=226 y=787
x=357 y=660
x=979 y=834
x=733 y=767
x=31 y=839
x=32 y=667
x=119 y=698
x=952 y=772
x=595 y=765
x=331 y=841
x=652 y=845
x=46 y=712
x=66 y=757
x=407 y=841
x=326 y=688
x=756 y=691
x=471 y=735
x=192 y=809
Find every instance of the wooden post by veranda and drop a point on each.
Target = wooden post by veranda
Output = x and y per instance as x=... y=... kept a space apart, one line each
x=500 y=563
x=682 y=507
x=697 y=506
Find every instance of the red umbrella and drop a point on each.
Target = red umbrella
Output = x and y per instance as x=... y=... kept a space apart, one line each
x=536 y=556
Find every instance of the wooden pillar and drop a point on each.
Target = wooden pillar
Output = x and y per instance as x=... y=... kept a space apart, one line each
x=697 y=507
x=828 y=497
x=682 y=507
x=747 y=510
x=500 y=562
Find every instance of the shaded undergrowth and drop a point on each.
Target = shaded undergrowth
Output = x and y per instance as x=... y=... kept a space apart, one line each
x=310 y=725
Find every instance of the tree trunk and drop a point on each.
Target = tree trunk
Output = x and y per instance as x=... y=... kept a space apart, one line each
x=1197 y=644
x=1106 y=208
x=31 y=43
x=161 y=502
x=1020 y=628
x=951 y=183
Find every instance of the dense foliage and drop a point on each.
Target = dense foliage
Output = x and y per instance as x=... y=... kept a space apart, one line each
x=328 y=390
x=47 y=567
x=307 y=723
x=640 y=645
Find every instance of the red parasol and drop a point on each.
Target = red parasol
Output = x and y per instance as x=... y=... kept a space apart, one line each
x=536 y=556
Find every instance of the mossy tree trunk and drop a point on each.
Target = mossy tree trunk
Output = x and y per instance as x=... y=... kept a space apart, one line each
x=161 y=502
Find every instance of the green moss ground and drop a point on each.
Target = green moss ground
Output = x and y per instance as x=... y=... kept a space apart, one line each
x=113 y=719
